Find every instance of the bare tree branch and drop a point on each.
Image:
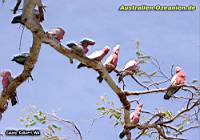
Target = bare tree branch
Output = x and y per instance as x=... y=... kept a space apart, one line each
x=145 y=92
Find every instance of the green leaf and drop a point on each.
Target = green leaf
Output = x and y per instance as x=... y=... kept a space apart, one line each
x=36 y=117
x=117 y=115
x=168 y=114
x=142 y=61
x=32 y=124
x=53 y=125
x=50 y=129
x=101 y=108
x=153 y=74
x=180 y=127
x=138 y=54
x=40 y=113
x=43 y=122
x=21 y=120
x=59 y=128
x=98 y=104
x=117 y=123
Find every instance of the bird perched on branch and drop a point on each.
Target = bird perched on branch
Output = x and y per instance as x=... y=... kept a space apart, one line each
x=18 y=19
x=86 y=43
x=130 y=68
x=111 y=62
x=81 y=48
x=135 y=118
x=21 y=59
x=6 y=81
x=39 y=5
x=57 y=33
x=177 y=81
x=96 y=56
x=76 y=48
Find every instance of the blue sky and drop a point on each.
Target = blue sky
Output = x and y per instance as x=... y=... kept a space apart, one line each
x=172 y=37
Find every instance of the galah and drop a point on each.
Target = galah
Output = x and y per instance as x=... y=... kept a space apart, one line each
x=76 y=48
x=7 y=79
x=96 y=56
x=134 y=117
x=130 y=68
x=18 y=19
x=177 y=81
x=21 y=59
x=85 y=43
x=57 y=33
x=81 y=48
x=111 y=62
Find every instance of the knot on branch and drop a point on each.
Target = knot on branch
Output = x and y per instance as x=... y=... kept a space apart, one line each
x=3 y=105
x=124 y=101
x=126 y=129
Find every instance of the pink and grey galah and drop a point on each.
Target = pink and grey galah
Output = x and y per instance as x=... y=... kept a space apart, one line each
x=57 y=33
x=21 y=59
x=76 y=48
x=130 y=68
x=134 y=117
x=82 y=47
x=7 y=79
x=86 y=43
x=177 y=81
x=111 y=62
x=96 y=56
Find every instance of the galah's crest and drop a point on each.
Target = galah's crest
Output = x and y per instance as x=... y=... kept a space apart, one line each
x=130 y=69
x=96 y=56
x=177 y=81
x=111 y=62
x=7 y=79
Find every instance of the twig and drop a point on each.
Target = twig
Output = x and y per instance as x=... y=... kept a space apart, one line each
x=185 y=110
x=66 y=122
x=139 y=82
x=20 y=42
x=157 y=83
x=146 y=92
x=172 y=70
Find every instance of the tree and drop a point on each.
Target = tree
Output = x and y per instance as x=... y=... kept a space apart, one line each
x=160 y=123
